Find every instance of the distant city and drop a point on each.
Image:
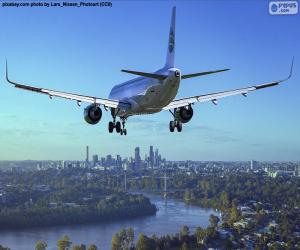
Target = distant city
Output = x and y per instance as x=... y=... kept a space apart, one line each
x=153 y=160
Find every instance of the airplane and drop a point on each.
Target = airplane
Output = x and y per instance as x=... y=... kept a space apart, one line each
x=149 y=93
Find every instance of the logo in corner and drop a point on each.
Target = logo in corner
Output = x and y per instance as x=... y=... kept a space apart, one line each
x=171 y=41
x=283 y=7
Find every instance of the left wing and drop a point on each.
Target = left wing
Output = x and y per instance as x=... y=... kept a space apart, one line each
x=215 y=96
x=77 y=97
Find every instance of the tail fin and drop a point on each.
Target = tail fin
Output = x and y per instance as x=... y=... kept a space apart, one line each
x=171 y=44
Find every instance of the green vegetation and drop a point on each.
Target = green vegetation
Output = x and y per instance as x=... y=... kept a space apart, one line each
x=4 y=248
x=270 y=218
x=41 y=245
x=267 y=199
x=182 y=240
x=70 y=196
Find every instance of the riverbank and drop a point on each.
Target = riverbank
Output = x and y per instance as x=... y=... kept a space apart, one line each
x=111 y=208
x=170 y=217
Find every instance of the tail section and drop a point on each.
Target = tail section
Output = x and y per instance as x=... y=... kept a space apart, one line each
x=171 y=44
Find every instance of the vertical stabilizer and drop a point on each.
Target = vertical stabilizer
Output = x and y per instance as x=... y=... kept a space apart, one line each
x=171 y=44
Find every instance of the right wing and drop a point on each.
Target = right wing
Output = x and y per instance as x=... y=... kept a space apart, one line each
x=79 y=98
x=215 y=96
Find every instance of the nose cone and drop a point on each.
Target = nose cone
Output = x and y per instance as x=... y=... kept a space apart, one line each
x=177 y=73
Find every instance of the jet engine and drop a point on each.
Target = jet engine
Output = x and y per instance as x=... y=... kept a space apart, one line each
x=184 y=114
x=92 y=114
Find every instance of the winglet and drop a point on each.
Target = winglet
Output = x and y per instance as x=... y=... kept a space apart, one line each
x=6 y=74
x=6 y=71
x=291 y=72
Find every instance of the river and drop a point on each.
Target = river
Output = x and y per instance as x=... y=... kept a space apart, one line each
x=172 y=214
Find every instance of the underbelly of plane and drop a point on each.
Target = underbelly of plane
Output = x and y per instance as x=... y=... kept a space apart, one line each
x=153 y=101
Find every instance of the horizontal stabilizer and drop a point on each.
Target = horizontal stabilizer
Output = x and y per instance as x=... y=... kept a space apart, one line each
x=150 y=75
x=202 y=73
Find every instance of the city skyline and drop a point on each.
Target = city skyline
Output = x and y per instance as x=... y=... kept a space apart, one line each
x=86 y=56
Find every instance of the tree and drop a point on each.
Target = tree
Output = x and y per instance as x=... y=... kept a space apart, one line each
x=144 y=243
x=276 y=246
x=92 y=247
x=184 y=246
x=115 y=242
x=184 y=231
x=79 y=247
x=4 y=248
x=224 y=200
x=76 y=247
x=64 y=243
x=200 y=234
x=234 y=214
x=187 y=195
x=130 y=234
x=40 y=245
x=214 y=220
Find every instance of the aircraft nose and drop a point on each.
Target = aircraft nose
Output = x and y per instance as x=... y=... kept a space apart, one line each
x=177 y=73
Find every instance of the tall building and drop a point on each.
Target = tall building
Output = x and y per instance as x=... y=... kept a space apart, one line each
x=95 y=159
x=151 y=157
x=119 y=161
x=108 y=160
x=87 y=154
x=137 y=157
x=156 y=159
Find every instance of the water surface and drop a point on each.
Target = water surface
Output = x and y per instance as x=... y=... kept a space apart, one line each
x=172 y=214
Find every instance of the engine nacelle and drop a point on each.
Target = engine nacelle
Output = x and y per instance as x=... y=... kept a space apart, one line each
x=92 y=114
x=184 y=114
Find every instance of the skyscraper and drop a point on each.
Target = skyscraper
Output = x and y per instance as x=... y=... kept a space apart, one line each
x=156 y=160
x=108 y=160
x=95 y=159
x=119 y=161
x=87 y=154
x=87 y=160
x=151 y=157
x=137 y=157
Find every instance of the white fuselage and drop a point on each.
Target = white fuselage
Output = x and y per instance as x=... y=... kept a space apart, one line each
x=147 y=95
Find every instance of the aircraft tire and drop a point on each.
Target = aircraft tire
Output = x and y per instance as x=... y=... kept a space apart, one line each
x=179 y=126
x=110 y=127
x=118 y=127
x=172 y=126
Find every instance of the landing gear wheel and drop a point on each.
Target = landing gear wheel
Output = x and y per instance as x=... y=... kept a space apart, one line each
x=179 y=126
x=118 y=127
x=110 y=127
x=172 y=126
x=125 y=131
x=121 y=132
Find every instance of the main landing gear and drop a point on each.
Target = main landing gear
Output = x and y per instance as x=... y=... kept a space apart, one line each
x=120 y=127
x=176 y=123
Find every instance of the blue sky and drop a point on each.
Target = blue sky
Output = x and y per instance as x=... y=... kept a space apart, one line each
x=82 y=50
